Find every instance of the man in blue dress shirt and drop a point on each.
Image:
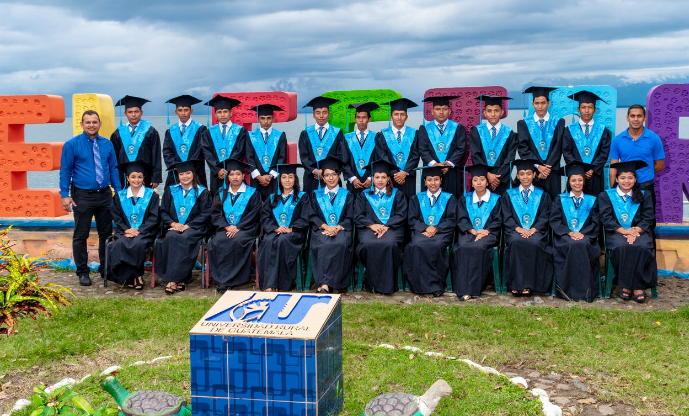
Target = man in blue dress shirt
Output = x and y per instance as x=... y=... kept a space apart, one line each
x=88 y=168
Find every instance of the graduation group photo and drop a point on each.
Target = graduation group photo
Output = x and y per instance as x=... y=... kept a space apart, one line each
x=541 y=207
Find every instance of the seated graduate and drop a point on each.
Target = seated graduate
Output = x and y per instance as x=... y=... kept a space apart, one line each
x=381 y=217
x=135 y=214
x=236 y=223
x=525 y=211
x=628 y=216
x=185 y=217
x=432 y=217
x=575 y=224
x=285 y=221
x=479 y=223
x=332 y=221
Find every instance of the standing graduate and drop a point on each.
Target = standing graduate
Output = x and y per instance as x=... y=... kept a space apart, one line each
x=222 y=140
x=588 y=142
x=265 y=147
x=332 y=220
x=494 y=144
x=398 y=144
x=184 y=218
x=443 y=142
x=319 y=141
x=540 y=138
x=574 y=220
x=479 y=223
x=285 y=221
x=235 y=215
x=432 y=217
x=138 y=140
x=525 y=211
x=360 y=145
x=628 y=216
x=381 y=219
x=184 y=140
x=135 y=214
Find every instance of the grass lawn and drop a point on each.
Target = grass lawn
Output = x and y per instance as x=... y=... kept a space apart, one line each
x=641 y=358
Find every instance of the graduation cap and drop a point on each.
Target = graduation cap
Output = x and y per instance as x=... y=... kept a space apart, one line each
x=382 y=166
x=320 y=102
x=478 y=169
x=525 y=164
x=492 y=100
x=585 y=97
x=575 y=168
x=135 y=166
x=539 y=91
x=628 y=166
x=220 y=102
x=185 y=166
x=402 y=104
x=364 y=107
x=332 y=163
x=232 y=164
x=286 y=168
x=129 y=101
x=441 y=100
x=266 y=109
x=184 y=101
x=435 y=170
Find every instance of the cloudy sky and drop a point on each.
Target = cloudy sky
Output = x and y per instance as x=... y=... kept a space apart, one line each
x=160 y=49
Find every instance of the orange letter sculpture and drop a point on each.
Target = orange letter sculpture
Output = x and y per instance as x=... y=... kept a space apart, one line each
x=17 y=157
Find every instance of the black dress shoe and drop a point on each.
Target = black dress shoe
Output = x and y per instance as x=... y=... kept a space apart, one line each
x=221 y=290
x=437 y=293
x=85 y=280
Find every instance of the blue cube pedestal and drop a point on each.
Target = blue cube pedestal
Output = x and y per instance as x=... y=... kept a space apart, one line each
x=268 y=354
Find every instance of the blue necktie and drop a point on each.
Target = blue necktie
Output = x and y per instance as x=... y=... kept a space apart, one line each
x=332 y=195
x=132 y=129
x=185 y=192
x=587 y=131
x=183 y=129
x=480 y=203
x=135 y=199
x=441 y=128
x=224 y=130
x=525 y=195
x=234 y=197
x=265 y=137
x=285 y=199
x=399 y=137
x=97 y=162
x=577 y=201
x=434 y=199
x=493 y=132
x=320 y=132
x=542 y=123
x=625 y=197
x=381 y=194
x=362 y=138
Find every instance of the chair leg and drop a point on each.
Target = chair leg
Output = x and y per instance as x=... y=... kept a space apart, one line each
x=448 y=278
x=153 y=270
x=654 y=292
x=496 y=271
x=256 y=268
x=360 y=280
x=207 y=267
x=608 y=275
x=299 y=278
x=309 y=272
x=553 y=288
x=204 y=255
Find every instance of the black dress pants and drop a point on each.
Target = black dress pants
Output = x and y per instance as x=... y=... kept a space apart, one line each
x=88 y=205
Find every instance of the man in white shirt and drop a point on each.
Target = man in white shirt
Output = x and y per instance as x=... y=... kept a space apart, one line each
x=360 y=145
x=265 y=147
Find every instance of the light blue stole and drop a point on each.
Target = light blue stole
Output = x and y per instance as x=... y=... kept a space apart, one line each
x=265 y=150
x=400 y=151
x=624 y=211
x=132 y=144
x=135 y=213
x=479 y=215
x=382 y=206
x=525 y=212
x=234 y=212
x=587 y=147
x=223 y=147
x=542 y=138
x=283 y=212
x=441 y=143
x=321 y=148
x=183 y=142
x=492 y=148
x=432 y=215
x=331 y=212
x=361 y=154
x=576 y=217
x=184 y=205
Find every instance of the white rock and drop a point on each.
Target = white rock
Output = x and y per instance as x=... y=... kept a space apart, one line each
x=433 y=354
x=549 y=409
x=160 y=358
x=412 y=349
x=520 y=381
x=63 y=382
x=138 y=363
x=388 y=346
x=110 y=370
x=84 y=378
x=19 y=405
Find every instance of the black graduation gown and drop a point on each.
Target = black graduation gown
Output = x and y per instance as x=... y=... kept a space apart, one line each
x=196 y=151
x=149 y=152
x=472 y=261
x=127 y=255
x=385 y=253
x=595 y=184
x=308 y=159
x=280 y=156
x=453 y=180
x=229 y=259
x=211 y=156
x=176 y=253
x=527 y=150
x=277 y=254
x=577 y=267
x=528 y=261
x=350 y=169
x=635 y=264
x=331 y=257
x=502 y=165
x=382 y=151
x=425 y=259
